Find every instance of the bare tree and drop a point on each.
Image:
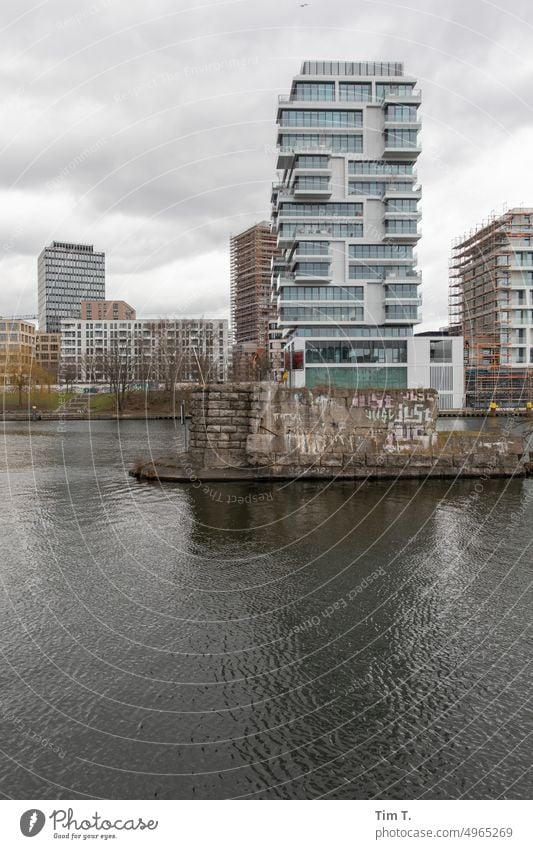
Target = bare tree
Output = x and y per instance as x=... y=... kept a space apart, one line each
x=118 y=368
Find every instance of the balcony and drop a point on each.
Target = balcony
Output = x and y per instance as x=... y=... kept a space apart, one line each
x=400 y=319
x=303 y=257
x=303 y=191
x=402 y=237
x=402 y=214
x=399 y=124
x=401 y=301
x=413 y=99
x=303 y=279
x=401 y=150
x=393 y=191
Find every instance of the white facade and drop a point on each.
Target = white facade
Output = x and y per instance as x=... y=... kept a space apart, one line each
x=433 y=362
x=437 y=362
x=346 y=214
x=154 y=349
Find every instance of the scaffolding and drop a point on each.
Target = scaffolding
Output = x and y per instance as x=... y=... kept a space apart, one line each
x=481 y=304
x=251 y=255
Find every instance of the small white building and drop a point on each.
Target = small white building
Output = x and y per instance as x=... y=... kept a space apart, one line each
x=425 y=361
x=436 y=361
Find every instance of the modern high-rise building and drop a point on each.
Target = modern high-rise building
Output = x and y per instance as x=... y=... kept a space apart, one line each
x=67 y=274
x=345 y=210
x=491 y=305
x=252 y=310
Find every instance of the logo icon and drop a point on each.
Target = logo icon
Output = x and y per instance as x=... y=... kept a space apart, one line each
x=32 y=822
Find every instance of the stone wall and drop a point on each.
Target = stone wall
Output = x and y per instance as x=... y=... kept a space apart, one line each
x=264 y=431
x=220 y=424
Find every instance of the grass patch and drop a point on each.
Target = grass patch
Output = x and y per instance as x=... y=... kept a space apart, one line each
x=40 y=398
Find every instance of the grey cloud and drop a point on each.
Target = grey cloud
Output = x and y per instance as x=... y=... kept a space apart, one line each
x=157 y=123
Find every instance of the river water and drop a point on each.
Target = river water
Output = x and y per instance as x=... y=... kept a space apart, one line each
x=294 y=640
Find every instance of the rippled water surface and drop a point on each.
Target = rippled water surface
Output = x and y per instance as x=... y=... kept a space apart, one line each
x=296 y=640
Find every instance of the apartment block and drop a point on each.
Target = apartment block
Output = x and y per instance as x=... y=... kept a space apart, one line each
x=47 y=351
x=107 y=310
x=167 y=350
x=491 y=306
x=345 y=211
x=68 y=273
x=17 y=347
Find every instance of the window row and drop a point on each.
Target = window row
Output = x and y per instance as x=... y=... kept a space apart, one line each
x=313 y=91
x=401 y=290
x=379 y=272
x=401 y=138
x=401 y=113
x=380 y=167
x=386 y=351
x=403 y=227
x=320 y=118
x=401 y=205
x=380 y=251
x=354 y=332
x=320 y=183
x=321 y=228
x=401 y=312
x=310 y=161
x=358 y=377
x=328 y=210
x=314 y=141
x=322 y=293
x=309 y=248
x=375 y=188
x=397 y=90
x=322 y=313
x=312 y=269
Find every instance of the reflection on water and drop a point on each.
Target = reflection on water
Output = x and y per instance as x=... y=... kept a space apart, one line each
x=259 y=641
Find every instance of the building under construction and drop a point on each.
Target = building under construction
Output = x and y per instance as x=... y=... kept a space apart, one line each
x=252 y=312
x=491 y=305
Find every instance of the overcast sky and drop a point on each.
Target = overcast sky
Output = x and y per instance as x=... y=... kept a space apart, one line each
x=148 y=129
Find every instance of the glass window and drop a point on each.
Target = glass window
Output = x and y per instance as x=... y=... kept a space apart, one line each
x=401 y=205
x=401 y=113
x=320 y=118
x=314 y=141
x=396 y=90
x=380 y=251
x=356 y=188
x=304 y=313
x=321 y=228
x=307 y=161
x=359 y=377
x=401 y=312
x=345 y=210
x=311 y=269
x=310 y=183
x=380 y=167
x=312 y=248
x=371 y=351
x=440 y=351
x=401 y=226
x=401 y=138
x=322 y=293
x=401 y=290
x=313 y=91
x=379 y=272
x=355 y=91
